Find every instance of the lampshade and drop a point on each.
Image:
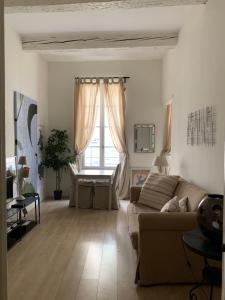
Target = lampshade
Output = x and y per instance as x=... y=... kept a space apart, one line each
x=22 y=160
x=160 y=161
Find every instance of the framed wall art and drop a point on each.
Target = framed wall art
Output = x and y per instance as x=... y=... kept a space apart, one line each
x=201 y=128
x=138 y=176
x=25 y=113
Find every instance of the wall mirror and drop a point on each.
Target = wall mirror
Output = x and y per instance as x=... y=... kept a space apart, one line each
x=144 y=138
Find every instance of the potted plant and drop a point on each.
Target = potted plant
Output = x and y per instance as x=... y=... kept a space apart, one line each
x=57 y=156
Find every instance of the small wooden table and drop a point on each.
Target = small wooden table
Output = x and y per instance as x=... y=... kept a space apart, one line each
x=95 y=174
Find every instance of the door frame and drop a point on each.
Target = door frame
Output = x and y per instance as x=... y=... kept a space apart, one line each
x=3 y=238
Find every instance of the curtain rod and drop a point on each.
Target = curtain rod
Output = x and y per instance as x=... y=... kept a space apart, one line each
x=103 y=78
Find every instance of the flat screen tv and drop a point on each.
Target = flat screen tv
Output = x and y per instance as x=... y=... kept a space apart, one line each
x=11 y=174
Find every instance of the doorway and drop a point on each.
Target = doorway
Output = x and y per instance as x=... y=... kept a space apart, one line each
x=3 y=251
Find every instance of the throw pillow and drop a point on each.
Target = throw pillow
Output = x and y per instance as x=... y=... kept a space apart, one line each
x=183 y=202
x=157 y=190
x=171 y=206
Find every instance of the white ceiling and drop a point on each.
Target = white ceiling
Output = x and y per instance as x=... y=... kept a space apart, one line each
x=156 y=20
x=143 y=19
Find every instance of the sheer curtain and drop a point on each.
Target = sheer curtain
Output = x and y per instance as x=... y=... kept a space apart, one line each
x=114 y=93
x=85 y=105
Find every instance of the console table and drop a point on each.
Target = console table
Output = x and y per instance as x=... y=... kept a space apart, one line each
x=18 y=226
x=196 y=242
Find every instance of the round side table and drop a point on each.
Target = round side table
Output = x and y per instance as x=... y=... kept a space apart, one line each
x=197 y=243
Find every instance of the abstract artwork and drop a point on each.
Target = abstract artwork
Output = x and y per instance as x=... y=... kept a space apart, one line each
x=40 y=152
x=41 y=134
x=201 y=128
x=25 y=113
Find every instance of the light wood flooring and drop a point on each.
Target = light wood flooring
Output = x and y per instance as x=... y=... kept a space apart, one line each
x=80 y=255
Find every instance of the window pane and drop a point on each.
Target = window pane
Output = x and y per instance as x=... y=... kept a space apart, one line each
x=88 y=152
x=111 y=157
x=92 y=157
x=91 y=162
x=108 y=138
x=87 y=161
x=94 y=151
x=106 y=118
x=95 y=141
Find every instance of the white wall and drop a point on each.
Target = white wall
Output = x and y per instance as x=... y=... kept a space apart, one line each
x=194 y=74
x=144 y=103
x=28 y=74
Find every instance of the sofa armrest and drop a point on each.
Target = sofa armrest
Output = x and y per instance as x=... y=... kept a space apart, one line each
x=161 y=256
x=135 y=193
x=167 y=221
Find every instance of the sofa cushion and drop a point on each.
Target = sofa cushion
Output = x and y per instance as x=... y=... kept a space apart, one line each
x=183 y=204
x=194 y=193
x=137 y=208
x=176 y=205
x=157 y=190
x=171 y=206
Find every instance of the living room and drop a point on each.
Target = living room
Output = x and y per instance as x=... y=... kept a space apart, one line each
x=187 y=72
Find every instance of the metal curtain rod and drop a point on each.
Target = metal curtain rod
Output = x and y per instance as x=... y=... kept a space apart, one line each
x=103 y=78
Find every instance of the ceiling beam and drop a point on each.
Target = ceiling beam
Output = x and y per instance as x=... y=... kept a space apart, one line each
x=29 y=6
x=97 y=40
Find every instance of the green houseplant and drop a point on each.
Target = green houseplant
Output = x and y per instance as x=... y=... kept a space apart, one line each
x=57 y=156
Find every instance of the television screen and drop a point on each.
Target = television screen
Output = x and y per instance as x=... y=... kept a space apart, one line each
x=11 y=173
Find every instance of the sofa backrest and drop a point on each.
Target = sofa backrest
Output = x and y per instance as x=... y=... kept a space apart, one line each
x=194 y=193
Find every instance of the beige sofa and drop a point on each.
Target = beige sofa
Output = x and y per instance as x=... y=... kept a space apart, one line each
x=157 y=238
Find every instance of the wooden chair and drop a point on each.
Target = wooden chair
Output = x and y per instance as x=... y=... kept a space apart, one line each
x=86 y=189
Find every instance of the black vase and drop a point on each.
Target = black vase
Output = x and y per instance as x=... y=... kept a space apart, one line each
x=58 y=195
x=210 y=217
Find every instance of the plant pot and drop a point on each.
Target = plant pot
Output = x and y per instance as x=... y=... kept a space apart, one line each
x=58 y=195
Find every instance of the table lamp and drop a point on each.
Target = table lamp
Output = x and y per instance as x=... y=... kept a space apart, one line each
x=22 y=173
x=160 y=162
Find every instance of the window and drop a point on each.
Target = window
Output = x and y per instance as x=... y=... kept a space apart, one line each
x=101 y=152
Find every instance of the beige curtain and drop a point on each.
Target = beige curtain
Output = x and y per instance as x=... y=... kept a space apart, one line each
x=116 y=106
x=85 y=106
x=168 y=127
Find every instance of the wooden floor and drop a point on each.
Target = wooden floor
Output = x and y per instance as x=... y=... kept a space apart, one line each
x=82 y=255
